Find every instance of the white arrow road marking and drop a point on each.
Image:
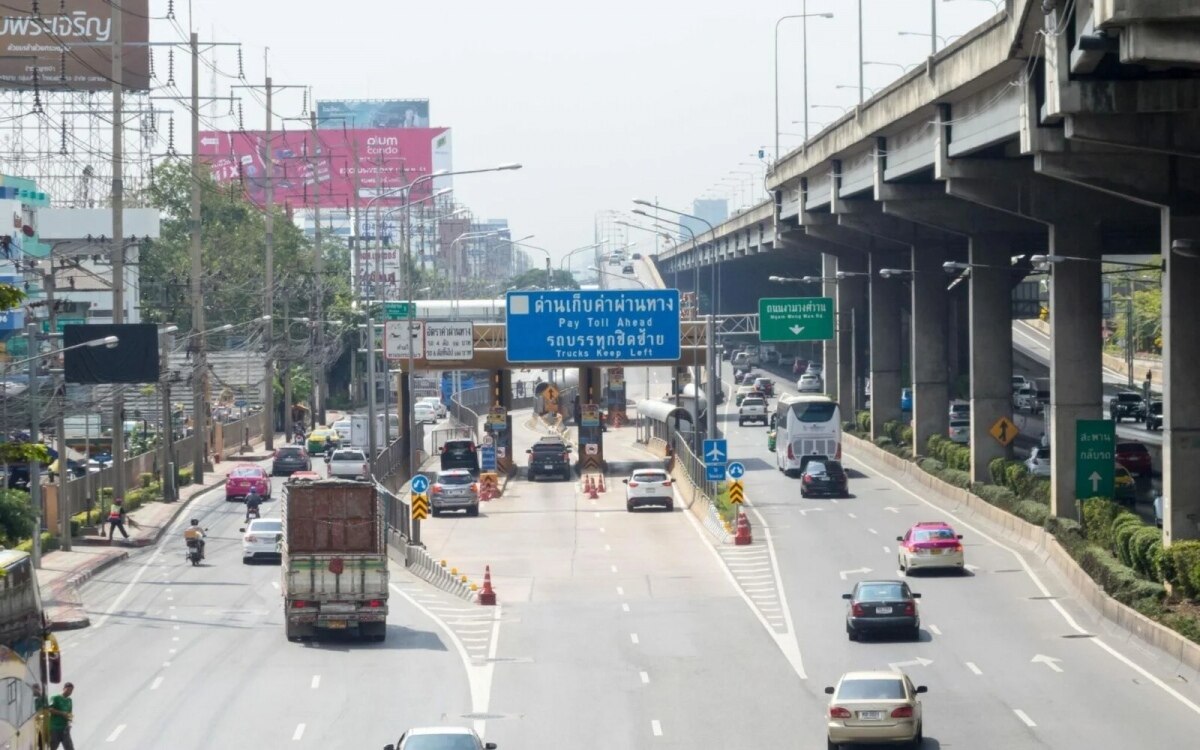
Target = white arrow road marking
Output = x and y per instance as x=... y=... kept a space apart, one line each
x=806 y=511
x=971 y=567
x=1049 y=661
x=917 y=662
x=842 y=574
x=892 y=509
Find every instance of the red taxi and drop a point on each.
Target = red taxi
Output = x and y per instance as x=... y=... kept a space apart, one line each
x=245 y=476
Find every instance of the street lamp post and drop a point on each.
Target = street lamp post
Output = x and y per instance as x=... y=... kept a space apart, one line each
x=804 y=16
x=35 y=419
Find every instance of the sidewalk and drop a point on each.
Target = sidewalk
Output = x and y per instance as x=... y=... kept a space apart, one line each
x=62 y=572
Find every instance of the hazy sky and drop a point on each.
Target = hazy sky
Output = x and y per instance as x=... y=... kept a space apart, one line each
x=601 y=102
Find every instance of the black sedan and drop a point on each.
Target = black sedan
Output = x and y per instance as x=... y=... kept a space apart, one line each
x=824 y=477
x=882 y=606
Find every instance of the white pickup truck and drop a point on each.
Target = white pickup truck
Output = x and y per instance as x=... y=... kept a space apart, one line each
x=349 y=463
x=753 y=409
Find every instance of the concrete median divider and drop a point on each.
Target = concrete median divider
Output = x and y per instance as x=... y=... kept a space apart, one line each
x=437 y=572
x=1037 y=541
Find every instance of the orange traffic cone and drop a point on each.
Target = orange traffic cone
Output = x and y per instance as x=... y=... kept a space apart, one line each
x=742 y=536
x=601 y=488
x=591 y=489
x=487 y=595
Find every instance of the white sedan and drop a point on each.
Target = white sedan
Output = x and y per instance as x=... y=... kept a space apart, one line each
x=649 y=487
x=809 y=383
x=262 y=538
x=440 y=738
x=424 y=413
x=436 y=403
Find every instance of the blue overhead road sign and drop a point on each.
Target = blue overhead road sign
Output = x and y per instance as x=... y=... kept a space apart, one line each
x=610 y=325
x=737 y=469
x=420 y=483
x=716 y=451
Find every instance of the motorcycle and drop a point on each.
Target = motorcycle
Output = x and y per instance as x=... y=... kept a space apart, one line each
x=252 y=511
x=194 y=555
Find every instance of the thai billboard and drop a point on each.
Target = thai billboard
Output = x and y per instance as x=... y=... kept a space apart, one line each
x=325 y=168
x=372 y=113
x=50 y=45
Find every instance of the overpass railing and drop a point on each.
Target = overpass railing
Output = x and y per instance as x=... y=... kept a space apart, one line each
x=692 y=465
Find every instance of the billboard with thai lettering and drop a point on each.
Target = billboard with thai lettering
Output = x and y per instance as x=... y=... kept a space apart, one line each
x=66 y=45
x=328 y=167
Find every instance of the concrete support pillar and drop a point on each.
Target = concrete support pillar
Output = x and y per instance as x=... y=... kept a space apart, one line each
x=886 y=301
x=829 y=349
x=1076 y=390
x=931 y=391
x=851 y=338
x=991 y=347
x=1181 y=387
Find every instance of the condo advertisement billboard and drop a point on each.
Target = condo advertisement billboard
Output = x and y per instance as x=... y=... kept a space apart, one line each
x=325 y=168
x=372 y=113
x=66 y=45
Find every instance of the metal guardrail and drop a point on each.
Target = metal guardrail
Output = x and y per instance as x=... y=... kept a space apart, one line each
x=693 y=468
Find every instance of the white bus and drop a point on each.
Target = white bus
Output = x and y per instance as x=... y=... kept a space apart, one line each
x=806 y=425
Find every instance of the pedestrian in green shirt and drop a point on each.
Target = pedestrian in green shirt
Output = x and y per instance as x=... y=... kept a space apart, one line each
x=60 y=719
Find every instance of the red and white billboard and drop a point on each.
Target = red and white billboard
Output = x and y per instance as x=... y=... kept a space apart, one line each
x=319 y=169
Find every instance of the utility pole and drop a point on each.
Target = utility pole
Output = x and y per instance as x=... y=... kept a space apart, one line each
x=64 y=508
x=167 y=431
x=199 y=363
x=356 y=260
x=320 y=381
x=35 y=466
x=118 y=239
x=285 y=369
x=269 y=365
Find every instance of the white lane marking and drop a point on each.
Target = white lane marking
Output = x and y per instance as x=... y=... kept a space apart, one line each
x=887 y=550
x=634 y=638
x=1049 y=661
x=835 y=502
x=157 y=681
x=316 y=682
x=624 y=607
x=275 y=584
x=172 y=650
x=934 y=629
x=601 y=529
x=971 y=666
x=852 y=515
x=787 y=642
x=872 y=531
x=620 y=591
x=166 y=663
x=296 y=735
x=843 y=573
x=894 y=510
x=1037 y=581
x=1024 y=717
x=656 y=727
x=614 y=568
x=597 y=515
x=171 y=607
x=608 y=548
x=171 y=599
x=479 y=676
x=645 y=676
x=116 y=733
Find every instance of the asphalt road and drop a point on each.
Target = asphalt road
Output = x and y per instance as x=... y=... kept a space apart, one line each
x=986 y=637
x=195 y=657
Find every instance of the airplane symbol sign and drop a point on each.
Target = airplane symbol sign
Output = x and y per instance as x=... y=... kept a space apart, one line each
x=715 y=451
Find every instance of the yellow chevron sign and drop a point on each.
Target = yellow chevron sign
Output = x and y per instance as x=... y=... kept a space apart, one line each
x=420 y=507
x=737 y=494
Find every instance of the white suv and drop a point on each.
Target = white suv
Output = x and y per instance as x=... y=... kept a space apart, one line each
x=753 y=409
x=649 y=487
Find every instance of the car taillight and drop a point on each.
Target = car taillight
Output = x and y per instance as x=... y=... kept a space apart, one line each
x=436 y=489
x=958 y=548
x=910 y=608
x=633 y=484
x=857 y=610
x=365 y=470
x=566 y=456
x=375 y=603
x=252 y=539
x=904 y=712
x=299 y=604
x=837 y=712
x=667 y=483
x=808 y=478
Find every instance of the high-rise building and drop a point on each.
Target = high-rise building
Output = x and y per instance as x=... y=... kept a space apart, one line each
x=712 y=210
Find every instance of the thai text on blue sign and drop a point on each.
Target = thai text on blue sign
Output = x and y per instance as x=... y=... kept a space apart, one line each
x=613 y=325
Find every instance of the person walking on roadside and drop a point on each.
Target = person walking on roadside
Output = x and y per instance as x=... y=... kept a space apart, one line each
x=116 y=520
x=61 y=707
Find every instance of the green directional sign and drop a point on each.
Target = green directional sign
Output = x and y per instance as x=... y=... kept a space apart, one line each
x=399 y=310
x=795 y=318
x=1095 y=457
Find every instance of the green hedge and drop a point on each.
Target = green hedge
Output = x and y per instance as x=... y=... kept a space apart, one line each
x=1184 y=564
x=863 y=418
x=1121 y=582
x=955 y=456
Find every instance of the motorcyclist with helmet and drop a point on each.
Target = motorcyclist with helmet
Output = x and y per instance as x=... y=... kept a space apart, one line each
x=196 y=533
